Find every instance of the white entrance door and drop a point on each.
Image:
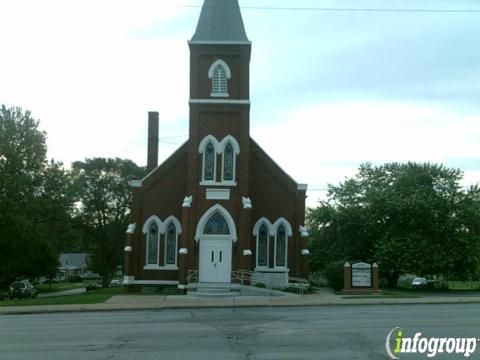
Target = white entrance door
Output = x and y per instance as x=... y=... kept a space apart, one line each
x=215 y=260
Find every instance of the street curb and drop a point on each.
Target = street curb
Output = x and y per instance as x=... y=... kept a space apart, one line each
x=5 y=311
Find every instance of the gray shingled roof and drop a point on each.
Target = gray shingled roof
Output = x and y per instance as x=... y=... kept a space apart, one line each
x=220 y=21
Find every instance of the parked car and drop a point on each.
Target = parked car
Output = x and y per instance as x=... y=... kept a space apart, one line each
x=91 y=276
x=419 y=283
x=22 y=289
x=115 y=282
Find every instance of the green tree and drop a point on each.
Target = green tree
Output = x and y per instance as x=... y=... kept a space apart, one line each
x=104 y=210
x=36 y=199
x=410 y=218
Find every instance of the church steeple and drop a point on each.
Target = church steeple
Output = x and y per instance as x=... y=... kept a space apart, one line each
x=220 y=23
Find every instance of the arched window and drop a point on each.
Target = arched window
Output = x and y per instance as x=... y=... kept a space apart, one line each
x=262 y=247
x=281 y=247
x=228 y=163
x=219 y=81
x=220 y=74
x=171 y=245
x=152 y=244
x=209 y=163
x=216 y=225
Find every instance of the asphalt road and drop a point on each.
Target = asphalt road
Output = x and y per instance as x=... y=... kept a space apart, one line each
x=350 y=332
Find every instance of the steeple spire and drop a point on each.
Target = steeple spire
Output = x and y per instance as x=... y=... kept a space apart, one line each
x=220 y=22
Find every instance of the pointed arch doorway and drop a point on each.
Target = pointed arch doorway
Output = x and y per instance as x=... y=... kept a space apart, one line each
x=215 y=233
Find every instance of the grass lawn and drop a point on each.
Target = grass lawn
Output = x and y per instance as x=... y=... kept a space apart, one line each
x=385 y=295
x=47 y=288
x=91 y=297
x=463 y=285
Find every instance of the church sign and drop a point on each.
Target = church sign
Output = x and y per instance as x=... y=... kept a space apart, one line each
x=361 y=275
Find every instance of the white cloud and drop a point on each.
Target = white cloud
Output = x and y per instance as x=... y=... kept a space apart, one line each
x=325 y=143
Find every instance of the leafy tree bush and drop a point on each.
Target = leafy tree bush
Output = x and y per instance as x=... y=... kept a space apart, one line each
x=105 y=198
x=36 y=199
x=334 y=274
x=409 y=218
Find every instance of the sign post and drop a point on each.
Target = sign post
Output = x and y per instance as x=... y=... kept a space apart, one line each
x=360 y=277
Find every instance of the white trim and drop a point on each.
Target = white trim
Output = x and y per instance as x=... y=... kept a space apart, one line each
x=206 y=216
x=128 y=280
x=161 y=268
x=229 y=139
x=219 y=101
x=131 y=228
x=136 y=183
x=220 y=95
x=282 y=221
x=218 y=194
x=160 y=226
x=156 y=282
x=302 y=187
x=259 y=223
x=213 y=183
x=219 y=42
x=272 y=270
x=187 y=201
x=247 y=202
x=303 y=231
x=209 y=139
x=175 y=221
x=221 y=63
x=219 y=146
x=222 y=78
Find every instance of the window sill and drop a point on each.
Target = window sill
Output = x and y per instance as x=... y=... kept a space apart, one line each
x=221 y=95
x=214 y=183
x=272 y=270
x=161 y=268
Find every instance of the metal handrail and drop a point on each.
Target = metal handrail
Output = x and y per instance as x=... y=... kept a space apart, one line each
x=243 y=276
x=192 y=276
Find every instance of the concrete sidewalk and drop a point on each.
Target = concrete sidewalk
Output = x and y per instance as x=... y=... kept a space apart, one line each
x=153 y=302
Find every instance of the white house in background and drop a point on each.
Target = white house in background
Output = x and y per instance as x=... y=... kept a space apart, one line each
x=72 y=264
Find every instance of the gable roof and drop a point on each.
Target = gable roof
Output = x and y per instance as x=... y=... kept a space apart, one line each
x=73 y=260
x=220 y=22
x=164 y=167
x=286 y=179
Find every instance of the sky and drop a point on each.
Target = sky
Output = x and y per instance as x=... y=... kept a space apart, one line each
x=330 y=89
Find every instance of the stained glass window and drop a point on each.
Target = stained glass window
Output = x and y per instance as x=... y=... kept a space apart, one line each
x=152 y=247
x=228 y=162
x=280 y=249
x=171 y=245
x=262 y=246
x=209 y=163
x=216 y=225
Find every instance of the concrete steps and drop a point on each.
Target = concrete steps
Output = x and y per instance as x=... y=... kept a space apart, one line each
x=214 y=290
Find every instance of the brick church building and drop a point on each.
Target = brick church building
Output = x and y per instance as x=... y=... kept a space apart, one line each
x=219 y=203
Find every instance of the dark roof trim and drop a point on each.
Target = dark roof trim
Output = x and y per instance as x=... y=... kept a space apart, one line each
x=220 y=22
